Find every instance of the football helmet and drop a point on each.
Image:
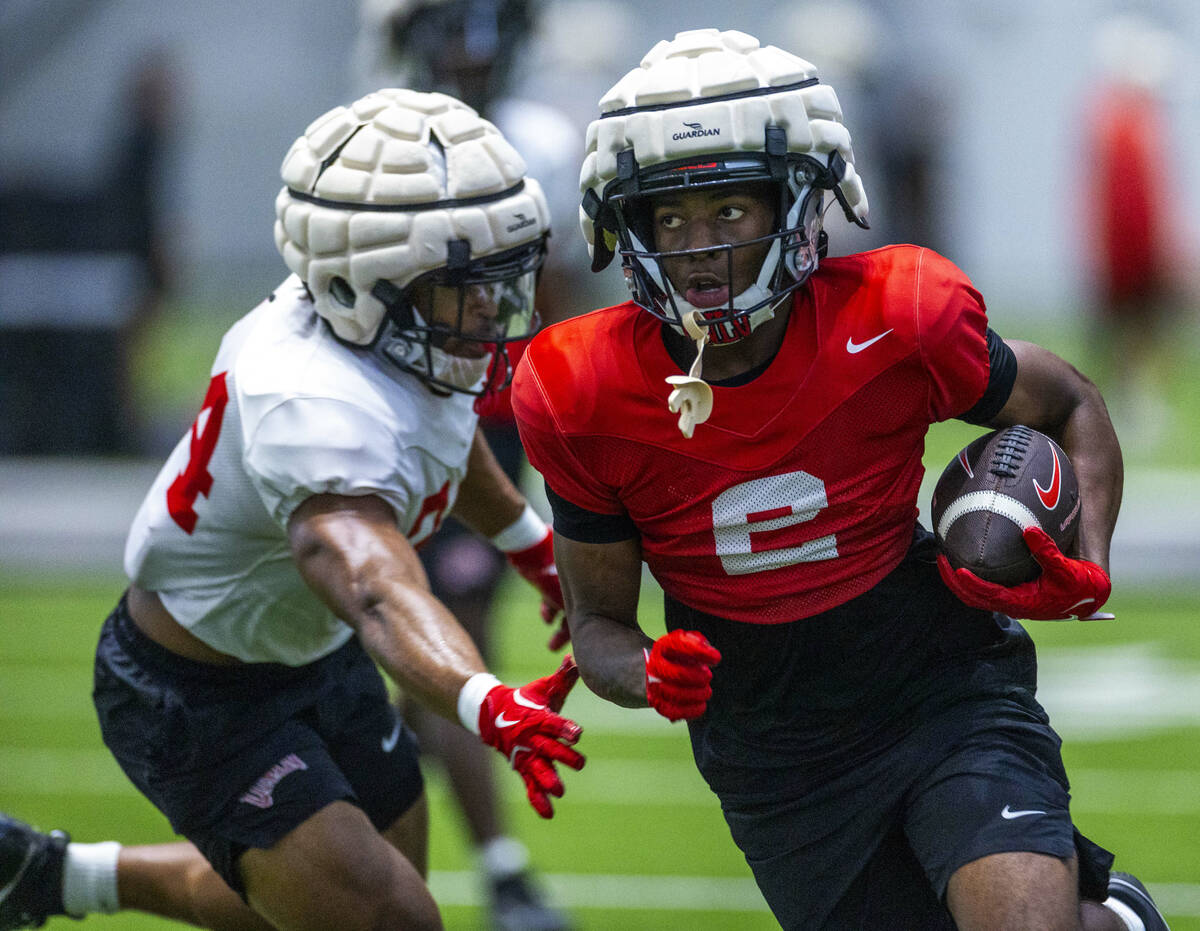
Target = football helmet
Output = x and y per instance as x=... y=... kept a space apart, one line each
x=465 y=48
x=711 y=108
x=388 y=202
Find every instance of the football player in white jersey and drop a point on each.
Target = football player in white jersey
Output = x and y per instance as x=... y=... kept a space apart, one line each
x=477 y=51
x=273 y=563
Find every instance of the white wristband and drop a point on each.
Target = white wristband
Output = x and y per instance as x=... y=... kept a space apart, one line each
x=470 y=699
x=526 y=531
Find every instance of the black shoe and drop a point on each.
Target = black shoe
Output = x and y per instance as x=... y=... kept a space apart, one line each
x=31 y=869
x=516 y=905
x=1129 y=890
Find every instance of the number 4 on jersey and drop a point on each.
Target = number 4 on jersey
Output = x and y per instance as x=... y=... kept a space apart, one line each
x=196 y=479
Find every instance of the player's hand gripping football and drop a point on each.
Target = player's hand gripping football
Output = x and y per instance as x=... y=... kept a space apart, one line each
x=679 y=674
x=536 y=565
x=525 y=726
x=1067 y=588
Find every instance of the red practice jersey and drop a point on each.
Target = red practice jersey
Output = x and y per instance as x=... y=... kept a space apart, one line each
x=800 y=491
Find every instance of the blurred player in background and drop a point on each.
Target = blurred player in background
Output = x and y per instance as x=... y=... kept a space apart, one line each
x=1133 y=231
x=472 y=49
x=273 y=562
x=901 y=114
x=67 y=351
x=751 y=425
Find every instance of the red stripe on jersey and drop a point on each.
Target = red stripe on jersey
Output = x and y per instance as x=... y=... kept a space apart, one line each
x=755 y=517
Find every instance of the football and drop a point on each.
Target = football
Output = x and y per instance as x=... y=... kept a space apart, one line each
x=992 y=490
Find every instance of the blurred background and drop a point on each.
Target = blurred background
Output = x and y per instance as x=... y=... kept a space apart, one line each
x=155 y=128
x=1051 y=148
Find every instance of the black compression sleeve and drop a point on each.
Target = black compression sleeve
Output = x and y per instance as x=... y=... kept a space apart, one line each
x=1002 y=374
x=584 y=526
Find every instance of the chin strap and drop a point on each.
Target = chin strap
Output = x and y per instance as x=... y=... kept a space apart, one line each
x=692 y=398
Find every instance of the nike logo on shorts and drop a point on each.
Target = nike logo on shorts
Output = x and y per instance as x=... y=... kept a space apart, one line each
x=852 y=347
x=388 y=743
x=1008 y=814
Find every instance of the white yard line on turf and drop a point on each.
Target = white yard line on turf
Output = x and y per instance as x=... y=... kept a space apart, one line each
x=698 y=893
x=600 y=890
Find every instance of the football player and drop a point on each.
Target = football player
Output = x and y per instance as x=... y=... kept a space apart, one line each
x=273 y=562
x=751 y=426
x=470 y=50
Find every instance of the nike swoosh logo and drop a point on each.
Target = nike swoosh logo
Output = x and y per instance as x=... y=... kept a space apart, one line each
x=388 y=743
x=965 y=463
x=1008 y=814
x=1081 y=601
x=852 y=347
x=522 y=700
x=1049 y=496
x=502 y=721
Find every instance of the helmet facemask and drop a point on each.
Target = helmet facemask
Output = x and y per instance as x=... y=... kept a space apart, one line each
x=412 y=223
x=792 y=249
x=472 y=310
x=708 y=108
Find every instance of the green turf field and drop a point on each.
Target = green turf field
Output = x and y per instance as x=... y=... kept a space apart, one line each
x=638 y=842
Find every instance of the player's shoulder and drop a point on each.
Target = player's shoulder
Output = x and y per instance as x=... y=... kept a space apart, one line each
x=900 y=287
x=900 y=267
x=567 y=363
x=583 y=338
x=282 y=349
x=285 y=358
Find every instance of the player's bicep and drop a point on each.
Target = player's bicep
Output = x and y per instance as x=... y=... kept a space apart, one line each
x=1045 y=391
x=599 y=580
x=345 y=546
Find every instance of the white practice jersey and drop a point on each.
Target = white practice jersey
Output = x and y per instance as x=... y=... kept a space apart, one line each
x=290 y=412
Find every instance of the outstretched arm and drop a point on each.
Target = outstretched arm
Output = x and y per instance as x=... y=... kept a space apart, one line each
x=491 y=505
x=487 y=500
x=351 y=552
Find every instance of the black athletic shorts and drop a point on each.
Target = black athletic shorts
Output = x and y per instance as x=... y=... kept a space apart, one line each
x=863 y=755
x=238 y=756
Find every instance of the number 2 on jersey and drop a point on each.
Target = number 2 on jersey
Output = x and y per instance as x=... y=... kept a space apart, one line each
x=750 y=520
x=196 y=479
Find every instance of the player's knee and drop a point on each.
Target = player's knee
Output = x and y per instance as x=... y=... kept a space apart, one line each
x=415 y=913
x=402 y=906
x=1015 y=891
x=391 y=894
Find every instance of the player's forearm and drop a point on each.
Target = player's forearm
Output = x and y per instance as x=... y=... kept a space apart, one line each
x=1091 y=443
x=611 y=659
x=487 y=500
x=411 y=636
x=1050 y=395
x=354 y=558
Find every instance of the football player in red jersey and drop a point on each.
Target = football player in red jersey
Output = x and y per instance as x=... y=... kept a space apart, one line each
x=751 y=426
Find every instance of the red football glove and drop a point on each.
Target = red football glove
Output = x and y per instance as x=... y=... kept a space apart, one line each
x=536 y=565
x=678 y=673
x=1067 y=588
x=525 y=726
